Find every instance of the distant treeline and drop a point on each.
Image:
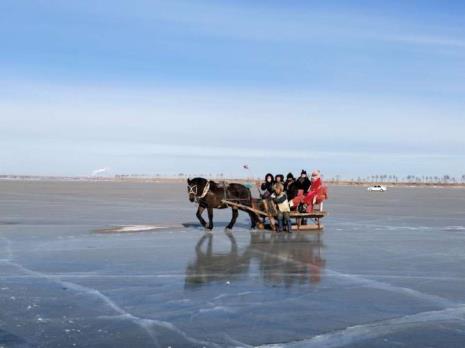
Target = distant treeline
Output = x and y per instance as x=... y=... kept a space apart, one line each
x=368 y=180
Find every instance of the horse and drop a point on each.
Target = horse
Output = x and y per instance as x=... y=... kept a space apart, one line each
x=210 y=195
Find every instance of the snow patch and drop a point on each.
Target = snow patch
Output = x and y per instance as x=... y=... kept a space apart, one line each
x=454 y=228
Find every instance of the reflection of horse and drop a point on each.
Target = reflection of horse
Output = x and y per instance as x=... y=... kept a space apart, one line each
x=282 y=259
x=209 y=266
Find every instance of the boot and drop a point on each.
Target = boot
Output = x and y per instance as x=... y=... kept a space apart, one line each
x=289 y=226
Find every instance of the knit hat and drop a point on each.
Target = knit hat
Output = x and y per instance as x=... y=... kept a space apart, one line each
x=303 y=172
x=289 y=176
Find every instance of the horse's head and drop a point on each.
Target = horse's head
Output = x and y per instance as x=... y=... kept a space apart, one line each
x=195 y=188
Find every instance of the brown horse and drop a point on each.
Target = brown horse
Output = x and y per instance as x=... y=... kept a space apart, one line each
x=209 y=195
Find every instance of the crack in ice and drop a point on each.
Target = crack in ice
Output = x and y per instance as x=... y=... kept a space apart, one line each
x=357 y=333
x=147 y=324
x=376 y=284
x=349 y=335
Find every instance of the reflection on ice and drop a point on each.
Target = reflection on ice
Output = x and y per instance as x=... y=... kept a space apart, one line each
x=283 y=259
x=209 y=266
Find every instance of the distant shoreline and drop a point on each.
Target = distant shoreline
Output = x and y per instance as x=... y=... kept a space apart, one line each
x=396 y=184
x=141 y=179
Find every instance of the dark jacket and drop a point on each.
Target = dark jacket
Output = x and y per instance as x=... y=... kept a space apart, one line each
x=291 y=189
x=268 y=186
x=303 y=184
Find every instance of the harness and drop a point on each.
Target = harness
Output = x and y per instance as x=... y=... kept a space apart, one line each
x=193 y=190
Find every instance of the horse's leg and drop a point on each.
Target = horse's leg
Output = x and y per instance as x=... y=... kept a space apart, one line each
x=235 y=213
x=253 y=220
x=199 y=216
x=210 y=218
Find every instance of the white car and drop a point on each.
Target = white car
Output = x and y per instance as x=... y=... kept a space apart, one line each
x=377 y=188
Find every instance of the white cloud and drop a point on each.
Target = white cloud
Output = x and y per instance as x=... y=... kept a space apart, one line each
x=125 y=127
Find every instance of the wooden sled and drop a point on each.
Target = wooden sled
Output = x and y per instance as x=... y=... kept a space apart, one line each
x=264 y=210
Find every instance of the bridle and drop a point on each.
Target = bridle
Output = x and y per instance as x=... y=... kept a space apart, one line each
x=193 y=190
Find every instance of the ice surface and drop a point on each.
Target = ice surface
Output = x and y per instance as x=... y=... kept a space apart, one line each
x=387 y=271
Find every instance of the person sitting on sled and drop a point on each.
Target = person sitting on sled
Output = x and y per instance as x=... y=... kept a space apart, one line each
x=267 y=186
x=303 y=183
x=290 y=187
x=280 y=198
x=301 y=187
x=279 y=178
x=317 y=193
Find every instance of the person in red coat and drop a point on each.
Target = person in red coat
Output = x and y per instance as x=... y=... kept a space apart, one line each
x=317 y=192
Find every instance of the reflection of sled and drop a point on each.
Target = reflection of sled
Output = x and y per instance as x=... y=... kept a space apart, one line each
x=283 y=259
x=264 y=210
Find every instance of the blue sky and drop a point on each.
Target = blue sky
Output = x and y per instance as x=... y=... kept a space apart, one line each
x=354 y=88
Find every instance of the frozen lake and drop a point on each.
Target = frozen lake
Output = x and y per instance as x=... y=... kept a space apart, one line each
x=389 y=270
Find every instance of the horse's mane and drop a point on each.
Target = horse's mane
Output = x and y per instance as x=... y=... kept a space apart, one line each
x=213 y=184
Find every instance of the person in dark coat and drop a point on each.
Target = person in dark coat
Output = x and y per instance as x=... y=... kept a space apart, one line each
x=279 y=178
x=303 y=182
x=290 y=186
x=267 y=186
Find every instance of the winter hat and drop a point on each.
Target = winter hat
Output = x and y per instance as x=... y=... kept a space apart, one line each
x=303 y=172
x=289 y=176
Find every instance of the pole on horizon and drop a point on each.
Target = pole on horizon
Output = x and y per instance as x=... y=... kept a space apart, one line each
x=246 y=167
